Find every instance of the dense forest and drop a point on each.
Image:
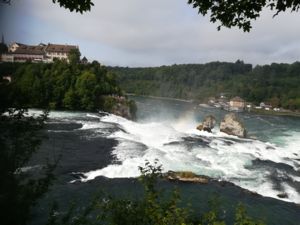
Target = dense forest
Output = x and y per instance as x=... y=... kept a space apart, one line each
x=59 y=85
x=277 y=84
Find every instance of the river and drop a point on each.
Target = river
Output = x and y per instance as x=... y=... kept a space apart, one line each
x=103 y=151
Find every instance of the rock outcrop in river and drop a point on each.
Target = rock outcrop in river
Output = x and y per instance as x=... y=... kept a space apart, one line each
x=232 y=125
x=186 y=176
x=208 y=123
x=120 y=106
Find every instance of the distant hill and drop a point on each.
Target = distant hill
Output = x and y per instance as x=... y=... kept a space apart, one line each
x=277 y=84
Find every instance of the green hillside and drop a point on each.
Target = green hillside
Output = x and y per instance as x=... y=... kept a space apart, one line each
x=275 y=83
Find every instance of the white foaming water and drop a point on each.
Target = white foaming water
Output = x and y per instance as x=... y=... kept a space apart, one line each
x=179 y=146
x=86 y=125
x=56 y=114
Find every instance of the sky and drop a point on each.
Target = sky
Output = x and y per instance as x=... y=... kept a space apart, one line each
x=140 y=33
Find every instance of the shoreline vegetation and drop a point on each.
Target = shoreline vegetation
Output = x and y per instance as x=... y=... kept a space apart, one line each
x=160 y=97
x=74 y=86
x=275 y=113
x=275 y=84
x=64 y=86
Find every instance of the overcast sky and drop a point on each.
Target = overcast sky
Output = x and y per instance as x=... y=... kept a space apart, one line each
x=150 y=33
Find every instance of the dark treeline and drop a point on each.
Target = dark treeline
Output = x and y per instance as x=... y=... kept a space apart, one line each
x=275 y=83
x=59 y=85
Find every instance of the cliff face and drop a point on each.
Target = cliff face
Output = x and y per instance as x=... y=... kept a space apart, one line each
x=120 y=106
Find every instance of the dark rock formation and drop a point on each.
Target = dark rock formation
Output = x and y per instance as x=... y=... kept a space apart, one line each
x=282 y=195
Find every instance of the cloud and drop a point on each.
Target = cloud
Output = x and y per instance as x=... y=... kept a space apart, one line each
x=147 y=33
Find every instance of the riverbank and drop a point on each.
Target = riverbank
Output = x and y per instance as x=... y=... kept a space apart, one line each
x=275 y=113
x=163 y=98
x=204 y=105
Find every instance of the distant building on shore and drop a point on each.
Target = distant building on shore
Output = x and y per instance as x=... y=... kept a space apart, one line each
x=18 y=52
x=265 y=105
x=237 y=104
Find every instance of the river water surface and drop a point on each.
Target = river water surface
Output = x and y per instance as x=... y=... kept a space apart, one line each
x=104 y=150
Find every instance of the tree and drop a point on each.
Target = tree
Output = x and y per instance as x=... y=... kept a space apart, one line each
x=20 y=137
x=70 y=100
x=85 y=88
x=230 y=13
x=240 y=13
x=78 y=6
x=19 y=189
x=74 y=56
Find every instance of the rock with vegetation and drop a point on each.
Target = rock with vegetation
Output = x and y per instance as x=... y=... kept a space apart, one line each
x=186 y=176
x=208 y=124
x=232 y=125
x=120 y=106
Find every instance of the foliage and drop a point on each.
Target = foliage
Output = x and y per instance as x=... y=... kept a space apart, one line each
x=19 y=190
x=232 y=13
x=241 y=217
x=240 y=13
x=108 y=103
x=86 y=85
x=59 y=85
x=275 y=83
x=155 y=207
x=78 y=6
x=74 y=56
x=120 y=106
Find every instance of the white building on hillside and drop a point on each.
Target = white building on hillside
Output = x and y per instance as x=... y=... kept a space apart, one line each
x=18 y=52
x=55 y=51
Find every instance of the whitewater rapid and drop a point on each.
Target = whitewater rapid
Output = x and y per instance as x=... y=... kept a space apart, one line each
x=258 y=166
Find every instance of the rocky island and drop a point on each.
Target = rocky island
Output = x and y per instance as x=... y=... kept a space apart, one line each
x=231 y=125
